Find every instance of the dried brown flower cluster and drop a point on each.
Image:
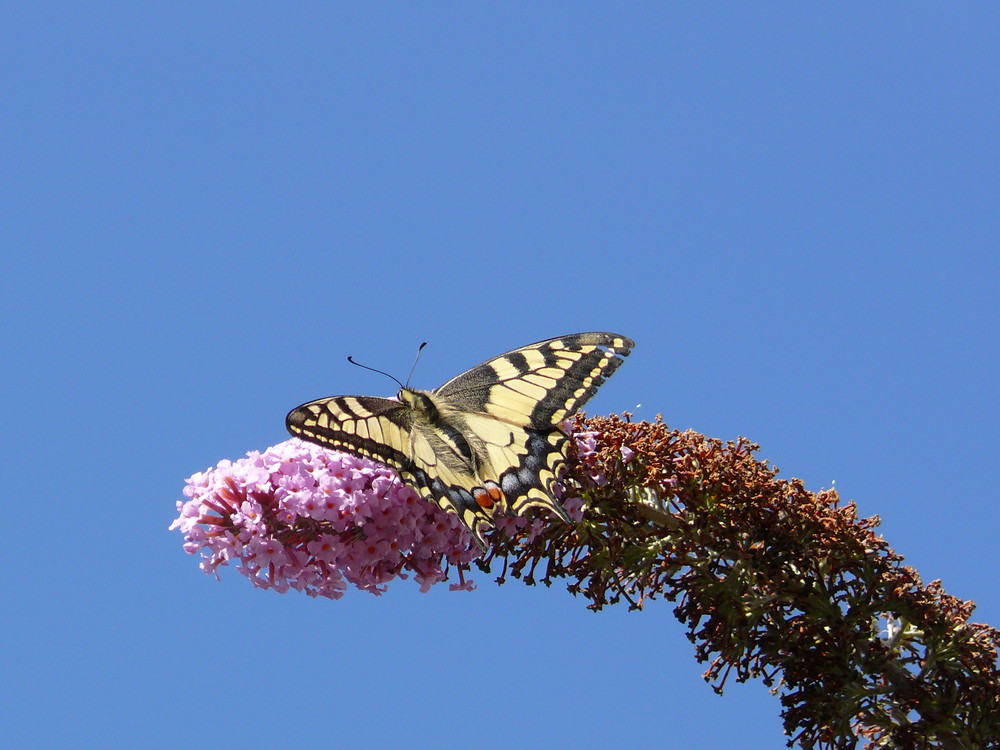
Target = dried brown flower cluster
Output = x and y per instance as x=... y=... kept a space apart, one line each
x=776 y=582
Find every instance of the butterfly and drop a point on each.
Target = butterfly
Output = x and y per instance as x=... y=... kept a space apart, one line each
x=489 y=440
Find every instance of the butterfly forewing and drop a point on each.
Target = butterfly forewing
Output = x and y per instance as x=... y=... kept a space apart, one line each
x=373 y=427
x=541 y=384
x=488 y=439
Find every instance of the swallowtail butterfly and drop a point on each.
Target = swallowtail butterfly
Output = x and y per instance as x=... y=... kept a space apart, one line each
x=488 y=440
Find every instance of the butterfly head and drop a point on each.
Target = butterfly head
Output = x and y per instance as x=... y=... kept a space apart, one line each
x=420 y=402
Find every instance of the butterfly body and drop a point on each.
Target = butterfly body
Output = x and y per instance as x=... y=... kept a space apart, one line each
x=488 y=440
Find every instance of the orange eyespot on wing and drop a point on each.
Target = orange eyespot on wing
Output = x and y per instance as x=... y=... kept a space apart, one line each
x=488 y=496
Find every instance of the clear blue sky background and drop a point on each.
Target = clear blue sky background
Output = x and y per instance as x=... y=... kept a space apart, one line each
x=205 y=207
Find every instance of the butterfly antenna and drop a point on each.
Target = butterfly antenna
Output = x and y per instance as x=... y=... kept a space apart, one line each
x=380 y=372
x=415 y=360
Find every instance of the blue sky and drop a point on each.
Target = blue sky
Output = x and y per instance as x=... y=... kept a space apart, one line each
x=205 y=207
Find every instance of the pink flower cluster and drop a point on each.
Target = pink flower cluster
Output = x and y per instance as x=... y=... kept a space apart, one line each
x=300 y=517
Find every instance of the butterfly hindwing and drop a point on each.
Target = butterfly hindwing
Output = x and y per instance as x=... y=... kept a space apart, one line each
x=488 y=440
x=524 y=463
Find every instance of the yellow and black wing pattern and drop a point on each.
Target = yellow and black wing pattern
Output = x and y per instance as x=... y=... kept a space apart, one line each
x=488 y=440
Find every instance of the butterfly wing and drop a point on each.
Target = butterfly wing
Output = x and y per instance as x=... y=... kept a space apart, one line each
x=542 y=384
x=377 y=428
x=515 y=403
